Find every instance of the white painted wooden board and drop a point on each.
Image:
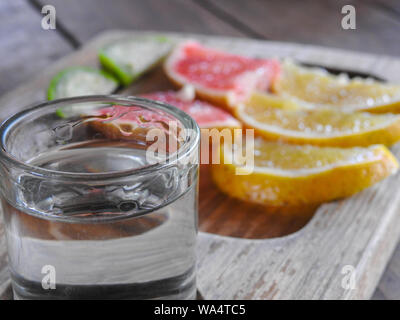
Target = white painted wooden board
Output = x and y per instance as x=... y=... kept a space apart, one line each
x=361 y=231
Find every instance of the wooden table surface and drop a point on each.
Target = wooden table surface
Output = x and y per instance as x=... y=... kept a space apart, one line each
x=26 y=48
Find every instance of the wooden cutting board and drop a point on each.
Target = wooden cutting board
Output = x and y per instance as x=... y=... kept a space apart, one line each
x=245 y=252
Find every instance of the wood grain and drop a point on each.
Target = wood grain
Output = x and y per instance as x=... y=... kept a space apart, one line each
x=25 y=47
x=361 y=231
x=315 y=22
x=389 y=285
x=85 y=19
x=391 y=7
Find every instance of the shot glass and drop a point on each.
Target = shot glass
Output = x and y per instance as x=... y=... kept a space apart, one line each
x=99 y=199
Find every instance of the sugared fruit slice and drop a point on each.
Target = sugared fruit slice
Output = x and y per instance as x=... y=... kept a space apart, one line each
x=134 y=123
x=205 y=114
x=129 y=58
x=126 y=123
x=302 y=175
x=218 y=76
x=278 y=119
x=315 y=87
x=81 y=81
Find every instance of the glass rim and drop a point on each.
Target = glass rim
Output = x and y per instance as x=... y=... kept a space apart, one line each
x=184 y=118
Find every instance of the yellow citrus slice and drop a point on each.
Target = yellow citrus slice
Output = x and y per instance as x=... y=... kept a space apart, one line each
x=292 y=175
x=278 y=119
x=316 y=87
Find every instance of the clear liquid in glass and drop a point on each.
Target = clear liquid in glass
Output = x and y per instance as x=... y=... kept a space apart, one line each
x=149 y=256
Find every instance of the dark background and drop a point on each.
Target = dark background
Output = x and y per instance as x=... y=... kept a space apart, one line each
x=26 y=48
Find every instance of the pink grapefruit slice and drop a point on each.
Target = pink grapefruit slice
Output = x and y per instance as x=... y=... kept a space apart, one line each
x=133 y=123
x=119 y=122
x=205 y=114
x=217 y=76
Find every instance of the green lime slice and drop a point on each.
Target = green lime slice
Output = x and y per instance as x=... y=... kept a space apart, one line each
x=80 y=81
x=129 y=58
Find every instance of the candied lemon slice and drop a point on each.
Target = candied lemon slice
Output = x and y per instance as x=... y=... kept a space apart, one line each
x=292 y=175
x=279 y=119
x=316 y=87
